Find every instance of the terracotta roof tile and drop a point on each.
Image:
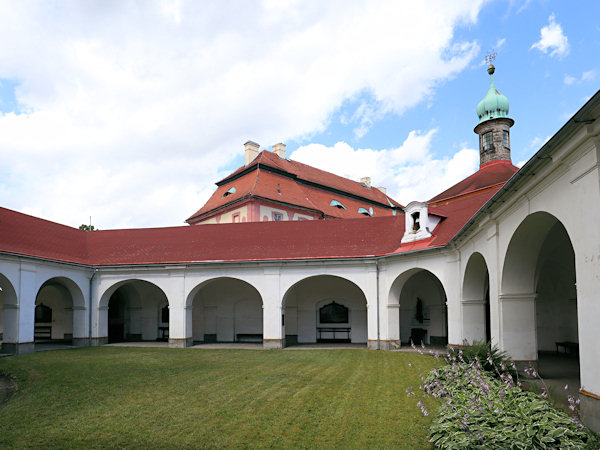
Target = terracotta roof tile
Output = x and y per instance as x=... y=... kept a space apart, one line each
x=25 y=234
x=489 y=174
x=373 y=236
x=300 y=185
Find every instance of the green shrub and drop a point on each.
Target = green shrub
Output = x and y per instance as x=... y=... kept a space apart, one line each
x=480 y=411
x=492 y=359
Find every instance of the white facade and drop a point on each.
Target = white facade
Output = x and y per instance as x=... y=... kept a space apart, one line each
x=525 y=272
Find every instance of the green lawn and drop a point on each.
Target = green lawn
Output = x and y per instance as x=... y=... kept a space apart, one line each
x=154 y=397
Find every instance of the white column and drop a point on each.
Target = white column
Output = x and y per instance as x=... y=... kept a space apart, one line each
x=273 y=330
x=587 y=263
x=517 y=322
x=372 y=312
x=180 y=316
x=473 y=320
x=19 y=339
x=451 y=284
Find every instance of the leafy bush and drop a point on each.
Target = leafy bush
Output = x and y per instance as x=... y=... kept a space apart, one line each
x=479 y=411
x=492 y=359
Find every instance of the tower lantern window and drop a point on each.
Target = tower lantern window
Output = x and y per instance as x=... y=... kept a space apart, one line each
x=505 y=139
x=488 y=141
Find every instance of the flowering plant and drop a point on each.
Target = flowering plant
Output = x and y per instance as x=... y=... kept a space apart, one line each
x=489 y=409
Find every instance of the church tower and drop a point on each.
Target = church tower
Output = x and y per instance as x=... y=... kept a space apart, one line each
x=494 y=125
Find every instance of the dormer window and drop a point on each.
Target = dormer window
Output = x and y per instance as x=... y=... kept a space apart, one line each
x=488 y=141
x=365 y=212
x=337 y=204
x=416 y=225
x=229 y=192
x=416 y=221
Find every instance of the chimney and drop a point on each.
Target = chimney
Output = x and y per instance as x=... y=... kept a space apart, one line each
x=366 y=181
x=279 y=150
x=251 y=151
x=382 y=189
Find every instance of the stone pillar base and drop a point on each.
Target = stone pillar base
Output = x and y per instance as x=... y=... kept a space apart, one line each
x=590 y=410
x=392 y=344
x=273 y=344
x=80 y=342
x=181 y=343
x=18 y=349
x=96 y=341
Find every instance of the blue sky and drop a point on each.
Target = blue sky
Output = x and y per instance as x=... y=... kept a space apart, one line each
x=128 y=112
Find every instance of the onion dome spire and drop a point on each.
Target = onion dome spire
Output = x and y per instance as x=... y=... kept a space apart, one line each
x=494 y=105
x=494 y=125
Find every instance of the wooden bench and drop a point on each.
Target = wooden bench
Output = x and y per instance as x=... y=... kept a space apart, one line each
x=568 y=346
x=249 y=338
x=333 y=334
x=42 y=332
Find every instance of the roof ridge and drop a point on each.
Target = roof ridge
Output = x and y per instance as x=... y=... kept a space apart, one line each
x=464 y=194
x=253 y=188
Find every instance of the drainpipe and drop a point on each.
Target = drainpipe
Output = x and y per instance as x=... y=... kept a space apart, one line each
x=378 y=312
x=90 y=309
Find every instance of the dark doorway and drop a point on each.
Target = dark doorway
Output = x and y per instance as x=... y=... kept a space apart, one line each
x=116 y=318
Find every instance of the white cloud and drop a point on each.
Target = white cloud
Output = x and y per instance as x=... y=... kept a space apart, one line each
x=588 y=75
x=553 y=39
x=409 y=172
x=537 y=143
x=135 y=109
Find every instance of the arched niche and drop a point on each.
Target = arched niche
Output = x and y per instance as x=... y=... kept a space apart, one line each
x=538 y=298
x=417 y=308
x=475 y=304
x=226 y=309
x=131 y=310
x=8 y=315
x=302 y=305
x=60 y=312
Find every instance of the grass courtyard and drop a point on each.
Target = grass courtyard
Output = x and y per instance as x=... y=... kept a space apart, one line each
x=155 y=397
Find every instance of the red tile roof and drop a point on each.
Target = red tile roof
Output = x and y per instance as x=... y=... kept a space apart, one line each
x=489 y=174
x=27 y=235
x=292 y=183
x=350 y=238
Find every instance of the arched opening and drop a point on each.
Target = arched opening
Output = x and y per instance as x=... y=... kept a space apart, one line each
x=226 y=310
x=327 y=309
x=136 y=312
x=422 y=314
x=8 y=315
x=475 y=305
x=538 y=298
x=59 y=314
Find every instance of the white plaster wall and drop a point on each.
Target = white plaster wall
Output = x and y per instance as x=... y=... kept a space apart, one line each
x=567 y=186
x=305 y=298
x=143 y=300
x=226 y=307
x=9 y=272
x=394 y=276
x=25 y=277
x=59 y=300
x=335 y=280
x=424 y=286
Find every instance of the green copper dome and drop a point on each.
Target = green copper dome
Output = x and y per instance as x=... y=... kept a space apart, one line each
x=494 y=105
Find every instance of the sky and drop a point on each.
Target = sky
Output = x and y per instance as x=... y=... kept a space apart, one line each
x=128 y=112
